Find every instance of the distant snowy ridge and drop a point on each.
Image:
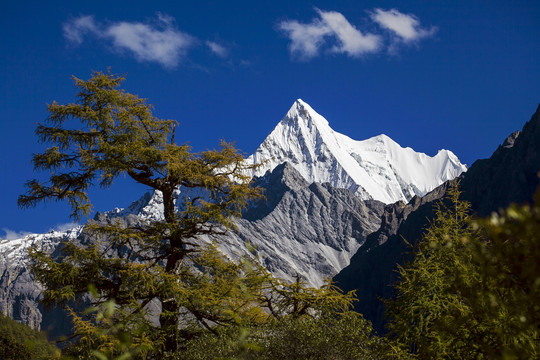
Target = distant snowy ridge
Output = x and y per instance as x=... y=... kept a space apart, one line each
x=377 y=168
x=19 y=293
x=15 y=250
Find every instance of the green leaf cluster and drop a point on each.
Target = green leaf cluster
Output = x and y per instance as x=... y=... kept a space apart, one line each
x=303 y=323
x=508 y=292
x=472 y=289
x=18 y=341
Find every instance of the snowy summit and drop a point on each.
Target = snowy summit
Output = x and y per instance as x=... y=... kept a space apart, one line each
x=377 y=168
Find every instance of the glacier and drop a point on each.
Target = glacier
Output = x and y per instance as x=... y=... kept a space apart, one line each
x=377 y=168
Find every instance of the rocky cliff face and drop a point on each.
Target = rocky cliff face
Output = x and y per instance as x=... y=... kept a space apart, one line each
x=314 y=228
x=372 y=270
x=309 y=229
x=303 y=228
x=19 y=294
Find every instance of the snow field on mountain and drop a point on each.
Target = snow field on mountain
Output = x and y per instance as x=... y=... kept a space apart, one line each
x=377 y=168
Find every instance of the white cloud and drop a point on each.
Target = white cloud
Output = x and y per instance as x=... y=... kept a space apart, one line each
x=13 y=235
x=217 y=49
x=307 y=39
x=165 y=47
x=351 y=41
x=332 y=31
x=160 y=42
x=76 y=29
x=405 y=26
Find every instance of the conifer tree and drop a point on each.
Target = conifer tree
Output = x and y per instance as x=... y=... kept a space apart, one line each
x=507 y=295
x=127 y=270
x=429 y=316
x=303 y=323
x=109 y=133
x=472 y=290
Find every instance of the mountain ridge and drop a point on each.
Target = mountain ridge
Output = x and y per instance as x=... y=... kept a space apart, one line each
x=376 y=168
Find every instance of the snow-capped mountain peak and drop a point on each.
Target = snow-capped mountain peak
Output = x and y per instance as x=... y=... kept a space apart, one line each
x=377 y=168
x=300 y=111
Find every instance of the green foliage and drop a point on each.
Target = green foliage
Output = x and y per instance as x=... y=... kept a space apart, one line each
x=115 y=133
x=507 y=295
x=310 y=324
x=155 y=290
x=428 y=316
x=18 y=341
x=110 y=335
x=340 y=337
x=473 y=288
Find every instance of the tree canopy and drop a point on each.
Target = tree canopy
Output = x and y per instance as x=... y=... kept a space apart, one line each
x=107 y=133
x=18 y=341
x=472 y=288
x=154 y=288
x=426 y=303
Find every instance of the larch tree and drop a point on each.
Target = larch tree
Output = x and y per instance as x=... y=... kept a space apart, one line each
x=507 y=295
x=429 y=315
x=128 y=270
x=472 y=290
x=108 y=133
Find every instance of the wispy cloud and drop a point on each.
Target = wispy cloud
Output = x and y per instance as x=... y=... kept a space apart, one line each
x=217 y=49
x=306 y=39
x=331 y=32
x=65 y=226
x=13 y=235
x=76 y=29
x=159 y=42
x=351 y=41
x=331 y=26
x=405 y=26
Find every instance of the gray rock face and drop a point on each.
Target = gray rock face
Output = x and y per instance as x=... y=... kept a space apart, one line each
x=19 y=293
x=312 y=230
x=300 y=228
x=510 y=140
x=372 y=269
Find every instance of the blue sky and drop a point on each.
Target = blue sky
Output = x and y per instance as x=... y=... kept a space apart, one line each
x=459 y=75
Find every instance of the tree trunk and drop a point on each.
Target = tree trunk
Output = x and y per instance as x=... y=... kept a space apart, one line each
x=168 y=320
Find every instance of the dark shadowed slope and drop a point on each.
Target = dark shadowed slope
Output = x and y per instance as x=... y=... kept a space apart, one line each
x=509 y=175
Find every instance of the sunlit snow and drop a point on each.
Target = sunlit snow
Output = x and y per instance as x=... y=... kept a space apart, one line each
x=377 y=168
